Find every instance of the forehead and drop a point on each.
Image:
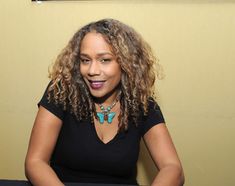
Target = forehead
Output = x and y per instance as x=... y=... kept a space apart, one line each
x=94 y=41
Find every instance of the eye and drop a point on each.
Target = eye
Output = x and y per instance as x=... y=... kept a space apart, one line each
x=105 y=60
x=84 y=60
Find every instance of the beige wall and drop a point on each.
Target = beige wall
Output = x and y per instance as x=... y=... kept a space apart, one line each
x=195 y=43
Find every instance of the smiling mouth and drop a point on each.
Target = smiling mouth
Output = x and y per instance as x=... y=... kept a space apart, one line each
x=97 y=84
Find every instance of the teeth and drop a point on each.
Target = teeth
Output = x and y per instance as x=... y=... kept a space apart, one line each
x=96 y=83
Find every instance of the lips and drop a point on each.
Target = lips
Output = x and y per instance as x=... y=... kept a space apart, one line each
x=97 y=84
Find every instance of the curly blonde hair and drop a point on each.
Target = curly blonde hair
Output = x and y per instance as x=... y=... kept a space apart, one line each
x=138 y=73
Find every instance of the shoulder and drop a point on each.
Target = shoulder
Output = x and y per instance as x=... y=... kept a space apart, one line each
x=152 y=104
x=153 y=109
x=49 y=103
x=153 y=116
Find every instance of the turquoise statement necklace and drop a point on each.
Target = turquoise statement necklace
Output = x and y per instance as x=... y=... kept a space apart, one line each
x=106 y=114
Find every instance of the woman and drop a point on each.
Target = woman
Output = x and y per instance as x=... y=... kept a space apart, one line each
x=95 y=110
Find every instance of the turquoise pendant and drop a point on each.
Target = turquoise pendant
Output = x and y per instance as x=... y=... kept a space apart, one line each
x=105 y=116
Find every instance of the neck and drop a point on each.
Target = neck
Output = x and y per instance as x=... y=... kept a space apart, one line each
x=106 y=112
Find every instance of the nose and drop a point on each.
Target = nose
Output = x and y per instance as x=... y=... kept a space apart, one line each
x=94 y=68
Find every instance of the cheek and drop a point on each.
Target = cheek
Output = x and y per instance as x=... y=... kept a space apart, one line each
x=82 y=71
x=117 y=74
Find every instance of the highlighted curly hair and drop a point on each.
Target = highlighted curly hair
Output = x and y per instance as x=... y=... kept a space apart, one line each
x=138 y=72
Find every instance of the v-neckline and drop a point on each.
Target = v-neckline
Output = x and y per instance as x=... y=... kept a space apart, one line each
x=98 y=138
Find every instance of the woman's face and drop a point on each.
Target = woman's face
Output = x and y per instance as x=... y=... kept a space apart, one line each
x=98 y=66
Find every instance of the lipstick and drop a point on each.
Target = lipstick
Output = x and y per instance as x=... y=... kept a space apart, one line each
x=96 y=84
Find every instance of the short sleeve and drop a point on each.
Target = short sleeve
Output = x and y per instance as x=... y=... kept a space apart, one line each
x=51 y=106
x=153 y=117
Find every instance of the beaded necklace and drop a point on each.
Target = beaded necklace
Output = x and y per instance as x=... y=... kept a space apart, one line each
x=106 y=114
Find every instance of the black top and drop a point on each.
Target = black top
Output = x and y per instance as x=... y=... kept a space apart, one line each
x=80 y=155
x=4 y=182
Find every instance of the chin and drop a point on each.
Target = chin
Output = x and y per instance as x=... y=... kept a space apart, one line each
x=97 y=94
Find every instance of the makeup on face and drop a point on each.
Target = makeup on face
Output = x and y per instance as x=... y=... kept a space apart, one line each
x=99 y=67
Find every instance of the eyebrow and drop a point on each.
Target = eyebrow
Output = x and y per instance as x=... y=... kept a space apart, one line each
x=99 y=54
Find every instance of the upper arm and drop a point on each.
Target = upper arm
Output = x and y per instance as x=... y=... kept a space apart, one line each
x=160 y=146
x=44 y=135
